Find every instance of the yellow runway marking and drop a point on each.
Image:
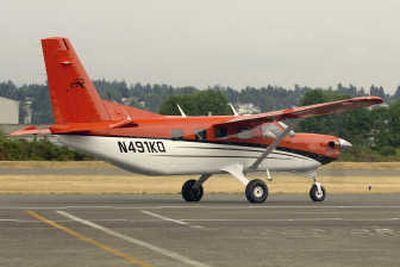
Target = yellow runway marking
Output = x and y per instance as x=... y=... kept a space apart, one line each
x=89 y=240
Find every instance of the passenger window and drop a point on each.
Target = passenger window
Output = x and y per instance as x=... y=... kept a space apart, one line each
x=244 y=133
x=177 y=134
x=221 y=132
x=200 y=135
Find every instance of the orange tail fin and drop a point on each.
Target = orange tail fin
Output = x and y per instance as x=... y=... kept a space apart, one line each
x=73 y=95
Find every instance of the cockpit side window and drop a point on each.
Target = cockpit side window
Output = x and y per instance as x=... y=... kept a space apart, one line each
x=200 y=134
x=221 y=132
x=244 y=133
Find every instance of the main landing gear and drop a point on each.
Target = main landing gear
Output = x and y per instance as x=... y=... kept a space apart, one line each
x=256 y=190
x=192 y=190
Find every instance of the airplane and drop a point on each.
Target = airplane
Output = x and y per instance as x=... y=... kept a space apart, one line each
x=149 y=143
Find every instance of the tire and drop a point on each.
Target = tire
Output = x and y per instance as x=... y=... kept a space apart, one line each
x=315 y=196
x=189 y=193
x=256 y=191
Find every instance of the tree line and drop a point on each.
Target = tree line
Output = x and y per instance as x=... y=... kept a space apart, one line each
x=152 y=96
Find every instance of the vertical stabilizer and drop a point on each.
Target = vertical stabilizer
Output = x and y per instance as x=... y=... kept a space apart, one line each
x=74 y=97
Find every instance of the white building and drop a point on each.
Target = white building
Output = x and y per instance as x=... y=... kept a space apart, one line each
x=247 y=108
x=9 y=111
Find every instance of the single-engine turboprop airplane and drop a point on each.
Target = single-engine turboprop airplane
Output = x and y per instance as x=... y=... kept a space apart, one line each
x=149 y=143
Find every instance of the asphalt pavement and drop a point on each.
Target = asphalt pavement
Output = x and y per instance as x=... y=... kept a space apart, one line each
x=222 y=230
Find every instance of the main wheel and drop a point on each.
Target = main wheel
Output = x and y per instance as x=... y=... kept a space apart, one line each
x=191 y=194
x=317 y=196
x=256 y=191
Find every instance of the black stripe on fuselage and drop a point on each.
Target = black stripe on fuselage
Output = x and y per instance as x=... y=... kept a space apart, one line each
x=213 y=156
x=320 y=158
x=242 y=149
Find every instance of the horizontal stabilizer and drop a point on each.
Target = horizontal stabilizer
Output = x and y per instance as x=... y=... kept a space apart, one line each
x=74 y=127
x=31 y=130
x=89 y=126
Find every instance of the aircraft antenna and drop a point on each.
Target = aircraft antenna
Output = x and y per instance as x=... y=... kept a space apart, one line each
x=181 y=111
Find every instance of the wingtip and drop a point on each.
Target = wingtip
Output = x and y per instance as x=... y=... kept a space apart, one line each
x=376 y=99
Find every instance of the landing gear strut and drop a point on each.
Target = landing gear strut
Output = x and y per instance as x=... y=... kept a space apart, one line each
x=256 y=190
x=317 y=191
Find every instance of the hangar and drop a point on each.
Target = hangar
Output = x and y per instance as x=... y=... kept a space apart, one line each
x=9 y=111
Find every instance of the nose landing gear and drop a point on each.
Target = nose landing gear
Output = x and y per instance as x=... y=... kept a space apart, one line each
x=317 y=191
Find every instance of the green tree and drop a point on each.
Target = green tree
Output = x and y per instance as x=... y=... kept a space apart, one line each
x=198 y=104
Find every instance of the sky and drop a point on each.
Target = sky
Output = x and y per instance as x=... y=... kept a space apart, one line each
x=202 y=43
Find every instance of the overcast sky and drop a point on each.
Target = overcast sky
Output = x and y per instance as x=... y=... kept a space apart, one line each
x=208 y=42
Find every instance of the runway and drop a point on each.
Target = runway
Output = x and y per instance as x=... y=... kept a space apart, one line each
x=222 y=230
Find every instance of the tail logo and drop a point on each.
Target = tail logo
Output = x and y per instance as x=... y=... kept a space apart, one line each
x=78 y=83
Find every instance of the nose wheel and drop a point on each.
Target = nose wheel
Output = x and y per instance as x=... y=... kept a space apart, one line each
x=317 y=191
x=317 y=195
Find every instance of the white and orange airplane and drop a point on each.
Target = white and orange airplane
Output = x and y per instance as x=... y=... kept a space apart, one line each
x=149 y=143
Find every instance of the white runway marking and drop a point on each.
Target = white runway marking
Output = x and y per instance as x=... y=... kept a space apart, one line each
x=265 y=220
x=162 y=251
x=167 y=219
x=60 y=221
x=187 y=221
x=200 y=207
x=291 y=220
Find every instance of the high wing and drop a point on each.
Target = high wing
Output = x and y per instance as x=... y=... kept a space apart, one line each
x=300 y=113
x=74 y=127
x=307 y=111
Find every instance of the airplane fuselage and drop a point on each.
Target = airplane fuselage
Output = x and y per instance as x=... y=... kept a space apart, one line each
x=196 y=145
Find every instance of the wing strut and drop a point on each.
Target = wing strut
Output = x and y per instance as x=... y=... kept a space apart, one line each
x=274 y=144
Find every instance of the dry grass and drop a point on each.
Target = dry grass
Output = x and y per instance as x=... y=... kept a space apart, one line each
x=137 y=184
x=363 y=165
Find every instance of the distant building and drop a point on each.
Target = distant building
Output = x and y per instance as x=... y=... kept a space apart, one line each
x=247 y=108
x=27 y=107
x=383 y=105
x=9 y=111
